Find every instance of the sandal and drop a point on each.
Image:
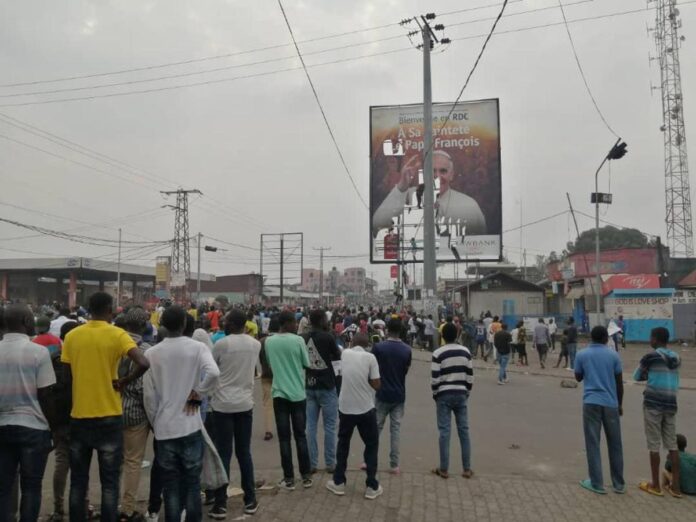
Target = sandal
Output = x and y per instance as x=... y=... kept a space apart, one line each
x=673 y=493
x=440 y=473
x=468 y=473
x=647 y=487
x=587 y=484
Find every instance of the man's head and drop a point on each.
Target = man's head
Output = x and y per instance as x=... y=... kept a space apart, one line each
x=136 y=320
x=274 y=325
x=317 y=318
x=541 y=320
x=443 y=169
x=67 y=328
x=503 y=326
x=394 y=327
x=360 y=339
x=496 y=318
x=235 y=322
x=64 y=311
x=18 y=319
x=174 y=320
x=190 y=326
x=681 y=442
x=43 y=324
x=571 y=320
x=449 y=319
x=250 y=315
x=287 y=321
x=599 y=335
x=449 y=333
x=551 y=321
x=101 y=306
x=659 y=337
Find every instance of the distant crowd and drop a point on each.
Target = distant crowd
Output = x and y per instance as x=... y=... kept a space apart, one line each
x=78 y=381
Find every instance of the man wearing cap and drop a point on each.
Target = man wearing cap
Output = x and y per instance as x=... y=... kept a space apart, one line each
x=45 y=338
x=136 y=427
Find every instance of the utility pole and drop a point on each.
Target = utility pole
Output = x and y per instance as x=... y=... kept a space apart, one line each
x=181 y=252
x=198 y=279
x=321 y=273
x=282 y=263
x=118 y=272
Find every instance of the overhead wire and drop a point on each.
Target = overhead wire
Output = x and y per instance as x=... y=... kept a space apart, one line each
x=321 y=108
x=582 y=72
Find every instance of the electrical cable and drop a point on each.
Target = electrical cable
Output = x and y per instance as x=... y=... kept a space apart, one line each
x=321 y=108
x=582 y=72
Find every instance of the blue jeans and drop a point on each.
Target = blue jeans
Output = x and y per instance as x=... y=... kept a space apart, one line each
x=572 y=351
x=594 y=417
x=181 y=461
x=105 y=435
x=395 y=411
x=367 y=428
x=325 y=401
x=502 y=374
x=27 y=449
x=447 y=405
x=229 y=428
x=293 y=415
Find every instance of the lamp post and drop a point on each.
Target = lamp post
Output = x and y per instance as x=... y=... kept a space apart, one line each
x=618 y=151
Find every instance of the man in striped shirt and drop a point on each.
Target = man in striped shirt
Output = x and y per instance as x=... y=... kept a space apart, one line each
x=452 y=380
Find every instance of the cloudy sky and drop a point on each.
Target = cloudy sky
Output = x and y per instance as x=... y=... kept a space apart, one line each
x=250 y=136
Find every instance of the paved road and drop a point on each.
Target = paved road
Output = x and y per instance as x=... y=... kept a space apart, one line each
x=537 y=481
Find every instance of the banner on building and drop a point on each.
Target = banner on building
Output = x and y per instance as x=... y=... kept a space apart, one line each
x=394 y=271
x=466 y=175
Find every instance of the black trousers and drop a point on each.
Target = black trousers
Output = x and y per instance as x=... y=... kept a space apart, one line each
x=367 y=428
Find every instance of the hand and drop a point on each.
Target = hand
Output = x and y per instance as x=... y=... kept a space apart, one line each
x=409 y=173
x=620 y=411
x=120 y=384
x=193 y=403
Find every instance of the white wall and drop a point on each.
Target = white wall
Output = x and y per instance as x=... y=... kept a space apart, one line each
x=493 y=301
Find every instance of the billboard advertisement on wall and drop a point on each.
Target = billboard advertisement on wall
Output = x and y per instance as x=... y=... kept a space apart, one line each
x=466 y=176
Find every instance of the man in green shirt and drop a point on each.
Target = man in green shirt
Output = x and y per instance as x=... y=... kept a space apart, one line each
x=287 y=355
x=687 y=469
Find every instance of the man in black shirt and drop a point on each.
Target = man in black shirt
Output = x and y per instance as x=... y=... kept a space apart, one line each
x=502 y=341
x=321 y=389
x=571 y=337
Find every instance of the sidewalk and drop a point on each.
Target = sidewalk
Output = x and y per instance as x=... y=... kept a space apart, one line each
x=422 y=497
x=630 y=357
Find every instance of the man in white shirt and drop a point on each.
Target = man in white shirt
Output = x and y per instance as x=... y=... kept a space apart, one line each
x=356 y=408
x=58 y=322
x=553 y=328
x=172 y=394
x=236 y=355
x=25 y=439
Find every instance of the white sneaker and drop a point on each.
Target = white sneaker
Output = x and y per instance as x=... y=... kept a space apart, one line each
x=336 y=489
x=152 y=517
x=372 y=494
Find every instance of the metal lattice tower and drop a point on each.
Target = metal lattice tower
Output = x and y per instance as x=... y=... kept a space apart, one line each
x=181 y=252
x=677 y=186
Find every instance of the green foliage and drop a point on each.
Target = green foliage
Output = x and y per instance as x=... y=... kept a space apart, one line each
x=609 y=238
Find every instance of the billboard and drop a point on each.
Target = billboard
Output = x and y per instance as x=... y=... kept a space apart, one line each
x=466 y=176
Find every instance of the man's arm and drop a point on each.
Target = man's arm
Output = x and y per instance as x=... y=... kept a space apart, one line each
x=375 y=383
x=620 y=391
x=579 y=372
x=209 y=370
x=641 y=373
x=141 y=366
x=150 y=398
x=434 y=374
x=374 y=378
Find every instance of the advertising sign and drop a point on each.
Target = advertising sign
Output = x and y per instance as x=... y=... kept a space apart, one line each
x=466 y=176
x=394 y=271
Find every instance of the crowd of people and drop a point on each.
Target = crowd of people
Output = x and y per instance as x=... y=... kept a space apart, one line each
x=103 y=379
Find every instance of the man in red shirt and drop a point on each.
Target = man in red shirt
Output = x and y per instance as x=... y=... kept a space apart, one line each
x=214 y=319
x=50 y=341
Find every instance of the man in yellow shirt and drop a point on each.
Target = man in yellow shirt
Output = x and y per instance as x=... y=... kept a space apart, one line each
x=93 y=352
x=251 y=328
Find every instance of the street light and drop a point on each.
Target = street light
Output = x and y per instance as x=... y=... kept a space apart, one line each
x=618 y=151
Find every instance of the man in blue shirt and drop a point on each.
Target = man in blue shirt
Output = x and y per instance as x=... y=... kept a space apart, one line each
x=394 y=359
x=599 y=368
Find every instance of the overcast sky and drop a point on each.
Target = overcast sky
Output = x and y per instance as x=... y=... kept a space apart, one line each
x=258 y=146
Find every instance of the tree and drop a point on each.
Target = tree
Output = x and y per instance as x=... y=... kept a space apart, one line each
x=609 y=238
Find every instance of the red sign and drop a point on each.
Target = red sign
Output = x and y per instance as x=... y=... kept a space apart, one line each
x=394 y=271
x=391 y=246
x=634 y=261
x=627 y=281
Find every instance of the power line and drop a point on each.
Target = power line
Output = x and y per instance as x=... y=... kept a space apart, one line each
x=518 y=13
x=524 y=225
x=196 y=84
x=473 y=69
x=228 y=55
x=321 y=108
x=582 y=72
x=497 y=4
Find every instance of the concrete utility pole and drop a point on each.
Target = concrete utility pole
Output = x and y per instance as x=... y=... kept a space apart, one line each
x=321 y=273
x=198 y=279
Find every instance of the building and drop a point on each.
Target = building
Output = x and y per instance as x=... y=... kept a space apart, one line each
x=351 y=282
x=238 y=289
x=645 y=309
x=502 y=295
